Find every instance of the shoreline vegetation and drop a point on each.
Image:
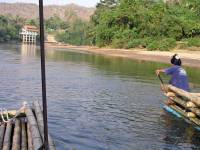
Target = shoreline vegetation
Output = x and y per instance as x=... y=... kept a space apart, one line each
x=141 y=29
x=150 y=24
x=190 y=58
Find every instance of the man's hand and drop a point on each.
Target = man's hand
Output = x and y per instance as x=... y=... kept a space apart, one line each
x=162 y=87
x=157 y=72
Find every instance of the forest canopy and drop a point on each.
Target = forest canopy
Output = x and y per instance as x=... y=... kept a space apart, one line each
x=150 y=24
x=9 y=28
x=145 y=23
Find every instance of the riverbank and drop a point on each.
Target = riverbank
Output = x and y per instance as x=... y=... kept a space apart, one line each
x=190 y=58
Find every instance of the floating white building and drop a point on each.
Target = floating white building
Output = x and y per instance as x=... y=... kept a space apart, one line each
x=29 y=34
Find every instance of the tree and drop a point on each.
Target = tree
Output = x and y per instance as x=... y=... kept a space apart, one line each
x=9 y=29
x=33 y=22
x=76 y=34
x=116 y=23
x=56 y=23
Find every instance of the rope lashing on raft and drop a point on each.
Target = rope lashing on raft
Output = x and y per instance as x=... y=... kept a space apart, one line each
x=7 y=120
x=2 y=116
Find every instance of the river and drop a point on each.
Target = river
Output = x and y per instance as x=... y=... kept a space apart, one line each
x=96 y=102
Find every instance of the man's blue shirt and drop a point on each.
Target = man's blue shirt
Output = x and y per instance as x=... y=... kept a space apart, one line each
x=178 y=77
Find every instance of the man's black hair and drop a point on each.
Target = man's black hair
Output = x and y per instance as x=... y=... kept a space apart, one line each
x=176 y=60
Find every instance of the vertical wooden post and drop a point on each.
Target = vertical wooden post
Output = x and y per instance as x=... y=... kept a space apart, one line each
x=40 y=121
x=2 y=131
x=33 y=127
x=31 y=37
x=35 y=38
x=24 y=135
x=23 y=38
x=41 y=15
x=7 y=137
x=30 y=141
x=17 y=136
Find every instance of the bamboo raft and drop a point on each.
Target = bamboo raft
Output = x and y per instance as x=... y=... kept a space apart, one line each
x=25 y=131
x=183 y=104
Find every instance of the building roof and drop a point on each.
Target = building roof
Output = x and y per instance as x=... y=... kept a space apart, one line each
x=30 y=28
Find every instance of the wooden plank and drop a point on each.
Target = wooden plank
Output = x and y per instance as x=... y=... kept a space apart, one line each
x=10 y=112
x=196 y=101
x=14 y=112
x=17 y=135
x=179 y=101
x=24 y=140
x=180 y=92
x=195 y=98
x=30 y=143
x=184 y=104
x=191 y=105
x=184 y=114
x=191 y=115
x=2 y=132
x=36 y=138
x=39 y=117
x=195 y=94
x=196 y=111
x=7 y=137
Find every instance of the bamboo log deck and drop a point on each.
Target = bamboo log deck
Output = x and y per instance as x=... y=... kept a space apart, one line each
x=185 y=104
x=25 y=132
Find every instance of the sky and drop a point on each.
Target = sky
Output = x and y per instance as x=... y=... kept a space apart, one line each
x=87 y=3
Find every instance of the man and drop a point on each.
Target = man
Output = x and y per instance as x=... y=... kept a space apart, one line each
x=179 y=77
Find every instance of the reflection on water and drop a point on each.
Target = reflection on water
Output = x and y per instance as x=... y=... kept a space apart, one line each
x=138 y=68
x=179 y=133
x=95 y=102
x=28 y=50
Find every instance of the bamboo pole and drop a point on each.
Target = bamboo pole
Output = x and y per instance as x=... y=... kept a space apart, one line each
x=184 y=114
x=195 y=98
x=30 y=143
x=184 y=104
x=39 y=117
x=195 y=94
x=17 y=136
x=37 y=141
x=24 y=137
x=43 y=74
x=2 y=131
x=14 y=112
x=195 y=110
x=179 y=92
x=191 y=105
x=196 y=101
x=7 y=137
x=11 y=113
x=179 y=101
x=191 y=115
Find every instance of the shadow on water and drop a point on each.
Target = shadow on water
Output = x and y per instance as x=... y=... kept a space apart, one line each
x=179 y=132
x=119 y=108
x=139 y=69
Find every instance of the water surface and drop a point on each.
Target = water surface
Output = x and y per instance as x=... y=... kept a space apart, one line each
x=96 y=102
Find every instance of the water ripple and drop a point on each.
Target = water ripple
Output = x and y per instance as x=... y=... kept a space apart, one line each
x=94 y=105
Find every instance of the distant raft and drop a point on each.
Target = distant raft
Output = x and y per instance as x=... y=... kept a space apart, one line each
x=183 y=104
x=25 y=131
